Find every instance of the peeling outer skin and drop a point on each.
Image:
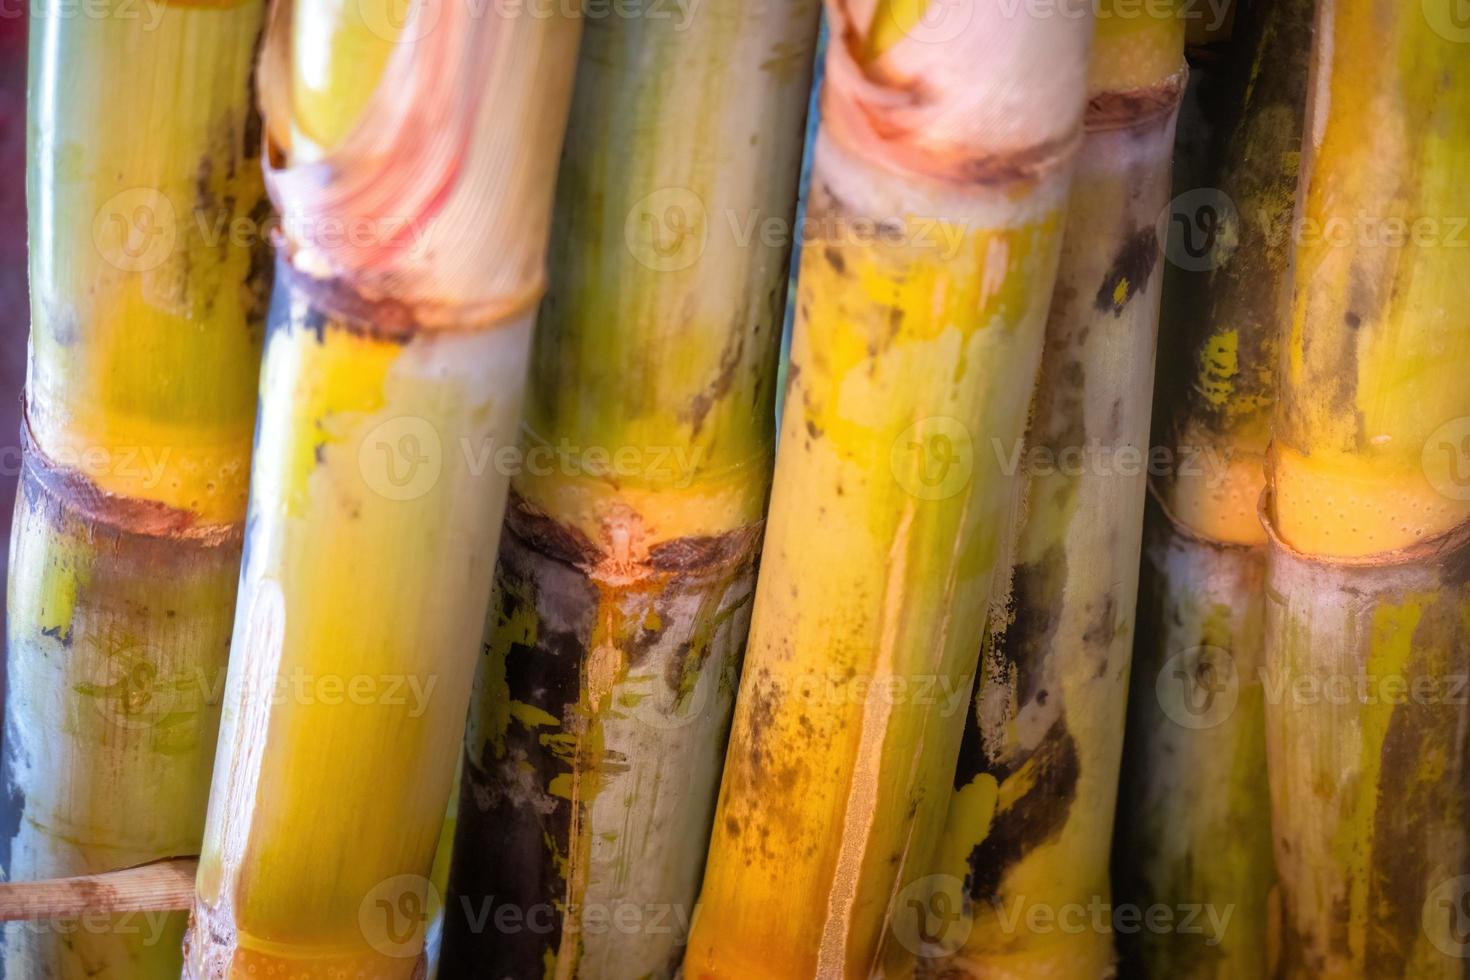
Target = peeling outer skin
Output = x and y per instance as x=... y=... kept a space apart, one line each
x=76 y=493
x=1194 y=787
x=597 y=769
x=437 y=217
x=918 y=107
x=1370 y=783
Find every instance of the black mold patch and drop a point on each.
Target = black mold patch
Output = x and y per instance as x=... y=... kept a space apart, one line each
x=1131 y=269
x=1033 y=819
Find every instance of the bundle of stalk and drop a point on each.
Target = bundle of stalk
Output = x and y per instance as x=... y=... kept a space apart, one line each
x=147 y=306
x=1194 y=828
x=1368 y=605
x=413 y=166
x=1031 y=818
x=935 y=219
x=623 y=591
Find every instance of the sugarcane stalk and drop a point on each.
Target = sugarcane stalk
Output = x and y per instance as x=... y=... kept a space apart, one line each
x=626 y=570
x=1194 y=827
x=145 y=203
x=1031 y=817
x=1368 y=608
x=415 y=221
x=934 y=225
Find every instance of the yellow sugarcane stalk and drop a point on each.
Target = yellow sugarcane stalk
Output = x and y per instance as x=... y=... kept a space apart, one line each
x=1194 y=827
x=626 y=571
x=148 y=298
x=1030 y=824
x=1368 y=607
x=415 y=219
x=924 y=284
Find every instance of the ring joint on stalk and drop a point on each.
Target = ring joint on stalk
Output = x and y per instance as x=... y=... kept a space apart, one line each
x=1188 y=531
x=1445 y=549
x=74 y=491
x=1136 y=107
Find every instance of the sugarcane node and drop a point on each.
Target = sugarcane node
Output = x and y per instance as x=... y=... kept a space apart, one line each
x=862 y=130
x=74 y=492
x=1159 y=504
x=1136 y=107
x=1449 y=551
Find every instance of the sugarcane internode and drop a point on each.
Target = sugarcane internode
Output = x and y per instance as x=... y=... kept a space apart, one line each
x=145 y=338
x=1193 y=812
x=1367 y=573
x=622 y=600
x=371 y=547
x=907 y=359
x=1030 y=819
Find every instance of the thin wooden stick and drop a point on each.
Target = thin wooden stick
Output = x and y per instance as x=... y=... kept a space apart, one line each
x=160 y=886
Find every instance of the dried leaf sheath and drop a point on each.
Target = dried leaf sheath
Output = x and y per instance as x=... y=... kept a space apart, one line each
x=913 y=348
x=395 y=362
x=1031 y=818
x=1367 y=602
x=624 y=584
x=146 y=328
